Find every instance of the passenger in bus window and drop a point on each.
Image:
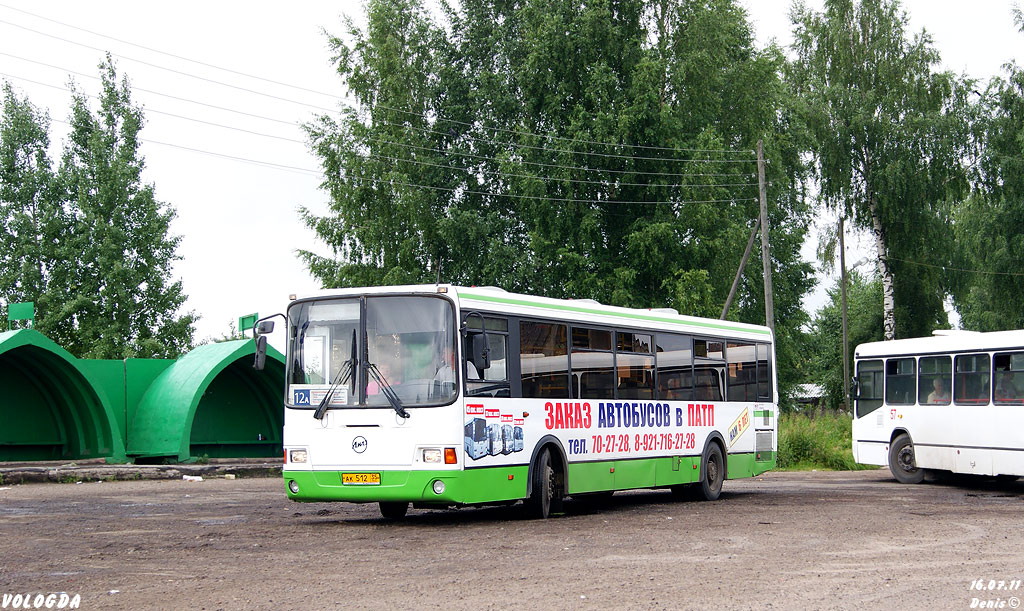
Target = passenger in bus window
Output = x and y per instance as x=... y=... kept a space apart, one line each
x=939 y=393
x=1005 y=388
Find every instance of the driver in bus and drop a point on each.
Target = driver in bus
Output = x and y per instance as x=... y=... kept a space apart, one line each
x=939 y=393
x=444 y=377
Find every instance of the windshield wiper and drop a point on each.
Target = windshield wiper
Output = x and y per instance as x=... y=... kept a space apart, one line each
x=344 y=375
x=386 y=390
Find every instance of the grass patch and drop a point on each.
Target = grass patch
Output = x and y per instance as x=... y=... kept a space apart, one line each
x=816 y=441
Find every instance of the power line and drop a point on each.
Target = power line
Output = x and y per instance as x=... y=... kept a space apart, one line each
x=280 y=166
x=171 y=70
x=393 y=109
x=161 y=112
x=408 y=127
x=150 y=91
x=267 y=164
x=552 y=165
x=181 y=57
x=424 y=163
x=557 y=179
x=957 y=269
x=398 y=159
x=551 y=150
x=547 y=198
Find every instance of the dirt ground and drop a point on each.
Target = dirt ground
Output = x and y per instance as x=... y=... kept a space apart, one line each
x=782 y=540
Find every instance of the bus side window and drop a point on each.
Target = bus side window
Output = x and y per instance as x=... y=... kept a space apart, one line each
x=675 y=366
x=742 y=359
x=935 y=380
x=972 y=384
x=869 y=384
x=634 y=366
x=900 y=381
x=493 y=381
x=1009 y=377
x=544 y=360
x=593 y=366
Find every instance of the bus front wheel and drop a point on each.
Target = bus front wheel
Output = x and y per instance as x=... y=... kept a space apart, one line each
x=902 y=462
x=546 y=495
x=393 y=510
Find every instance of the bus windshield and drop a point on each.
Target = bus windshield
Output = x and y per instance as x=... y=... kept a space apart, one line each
x=408 y=340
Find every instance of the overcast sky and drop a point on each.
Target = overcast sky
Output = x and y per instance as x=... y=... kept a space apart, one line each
x=236 y=191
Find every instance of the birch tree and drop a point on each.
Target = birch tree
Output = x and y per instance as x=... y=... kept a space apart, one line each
x=889 y=133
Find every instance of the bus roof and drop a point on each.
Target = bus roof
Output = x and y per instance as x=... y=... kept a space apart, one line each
x=948 y=341
x=492 y=299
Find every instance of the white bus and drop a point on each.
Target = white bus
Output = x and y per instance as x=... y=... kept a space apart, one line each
x=953 y=402
x=550 y=398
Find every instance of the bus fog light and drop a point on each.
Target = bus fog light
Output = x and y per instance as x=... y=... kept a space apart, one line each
x=432 y=455
x=438 y=487
x=298 y=456
x=293 y=486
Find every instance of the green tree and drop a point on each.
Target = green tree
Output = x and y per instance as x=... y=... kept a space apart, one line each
x=890 y=135
x=120 y=300
x=31 y=216
x=989 y=227
x=589 y=150
x=825 y=339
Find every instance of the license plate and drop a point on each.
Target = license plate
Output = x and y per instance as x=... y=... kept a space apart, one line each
x=364 y=479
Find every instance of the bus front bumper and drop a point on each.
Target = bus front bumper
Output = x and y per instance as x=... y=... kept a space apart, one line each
x=416 y=486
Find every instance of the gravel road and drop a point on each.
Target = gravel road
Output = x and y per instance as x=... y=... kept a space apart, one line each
x=781 y=540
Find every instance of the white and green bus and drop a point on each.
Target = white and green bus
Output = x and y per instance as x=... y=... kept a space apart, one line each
x=953 y=402
x=446 y=396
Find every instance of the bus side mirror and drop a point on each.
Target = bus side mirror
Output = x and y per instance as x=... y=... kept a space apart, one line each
x=479 y=351
x=854 y=389
x=265 y=327
x=261 y=352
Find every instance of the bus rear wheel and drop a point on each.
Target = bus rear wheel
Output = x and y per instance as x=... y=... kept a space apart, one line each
x=712 y=473
x=547 y=493
x=393 y=510
x=902 y=463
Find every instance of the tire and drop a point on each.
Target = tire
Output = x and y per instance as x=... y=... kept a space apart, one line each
x=902 y=462
x=712 y=473
x=393 y=510
x=546 y=496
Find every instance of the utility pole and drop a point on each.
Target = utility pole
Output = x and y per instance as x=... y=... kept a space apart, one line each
x=842 y=290
x=739 y=272
x=769 y=304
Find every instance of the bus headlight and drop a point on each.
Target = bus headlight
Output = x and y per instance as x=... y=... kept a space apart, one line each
x=298 y=456
x=432 y=455
x=438 y=486
x=293 y=486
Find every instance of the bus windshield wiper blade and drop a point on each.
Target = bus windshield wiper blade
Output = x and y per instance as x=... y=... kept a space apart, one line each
x=344 y=374
x=387 y=391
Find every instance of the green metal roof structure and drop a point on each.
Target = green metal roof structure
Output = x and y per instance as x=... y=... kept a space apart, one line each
x=49 y=407
x=211 y=402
